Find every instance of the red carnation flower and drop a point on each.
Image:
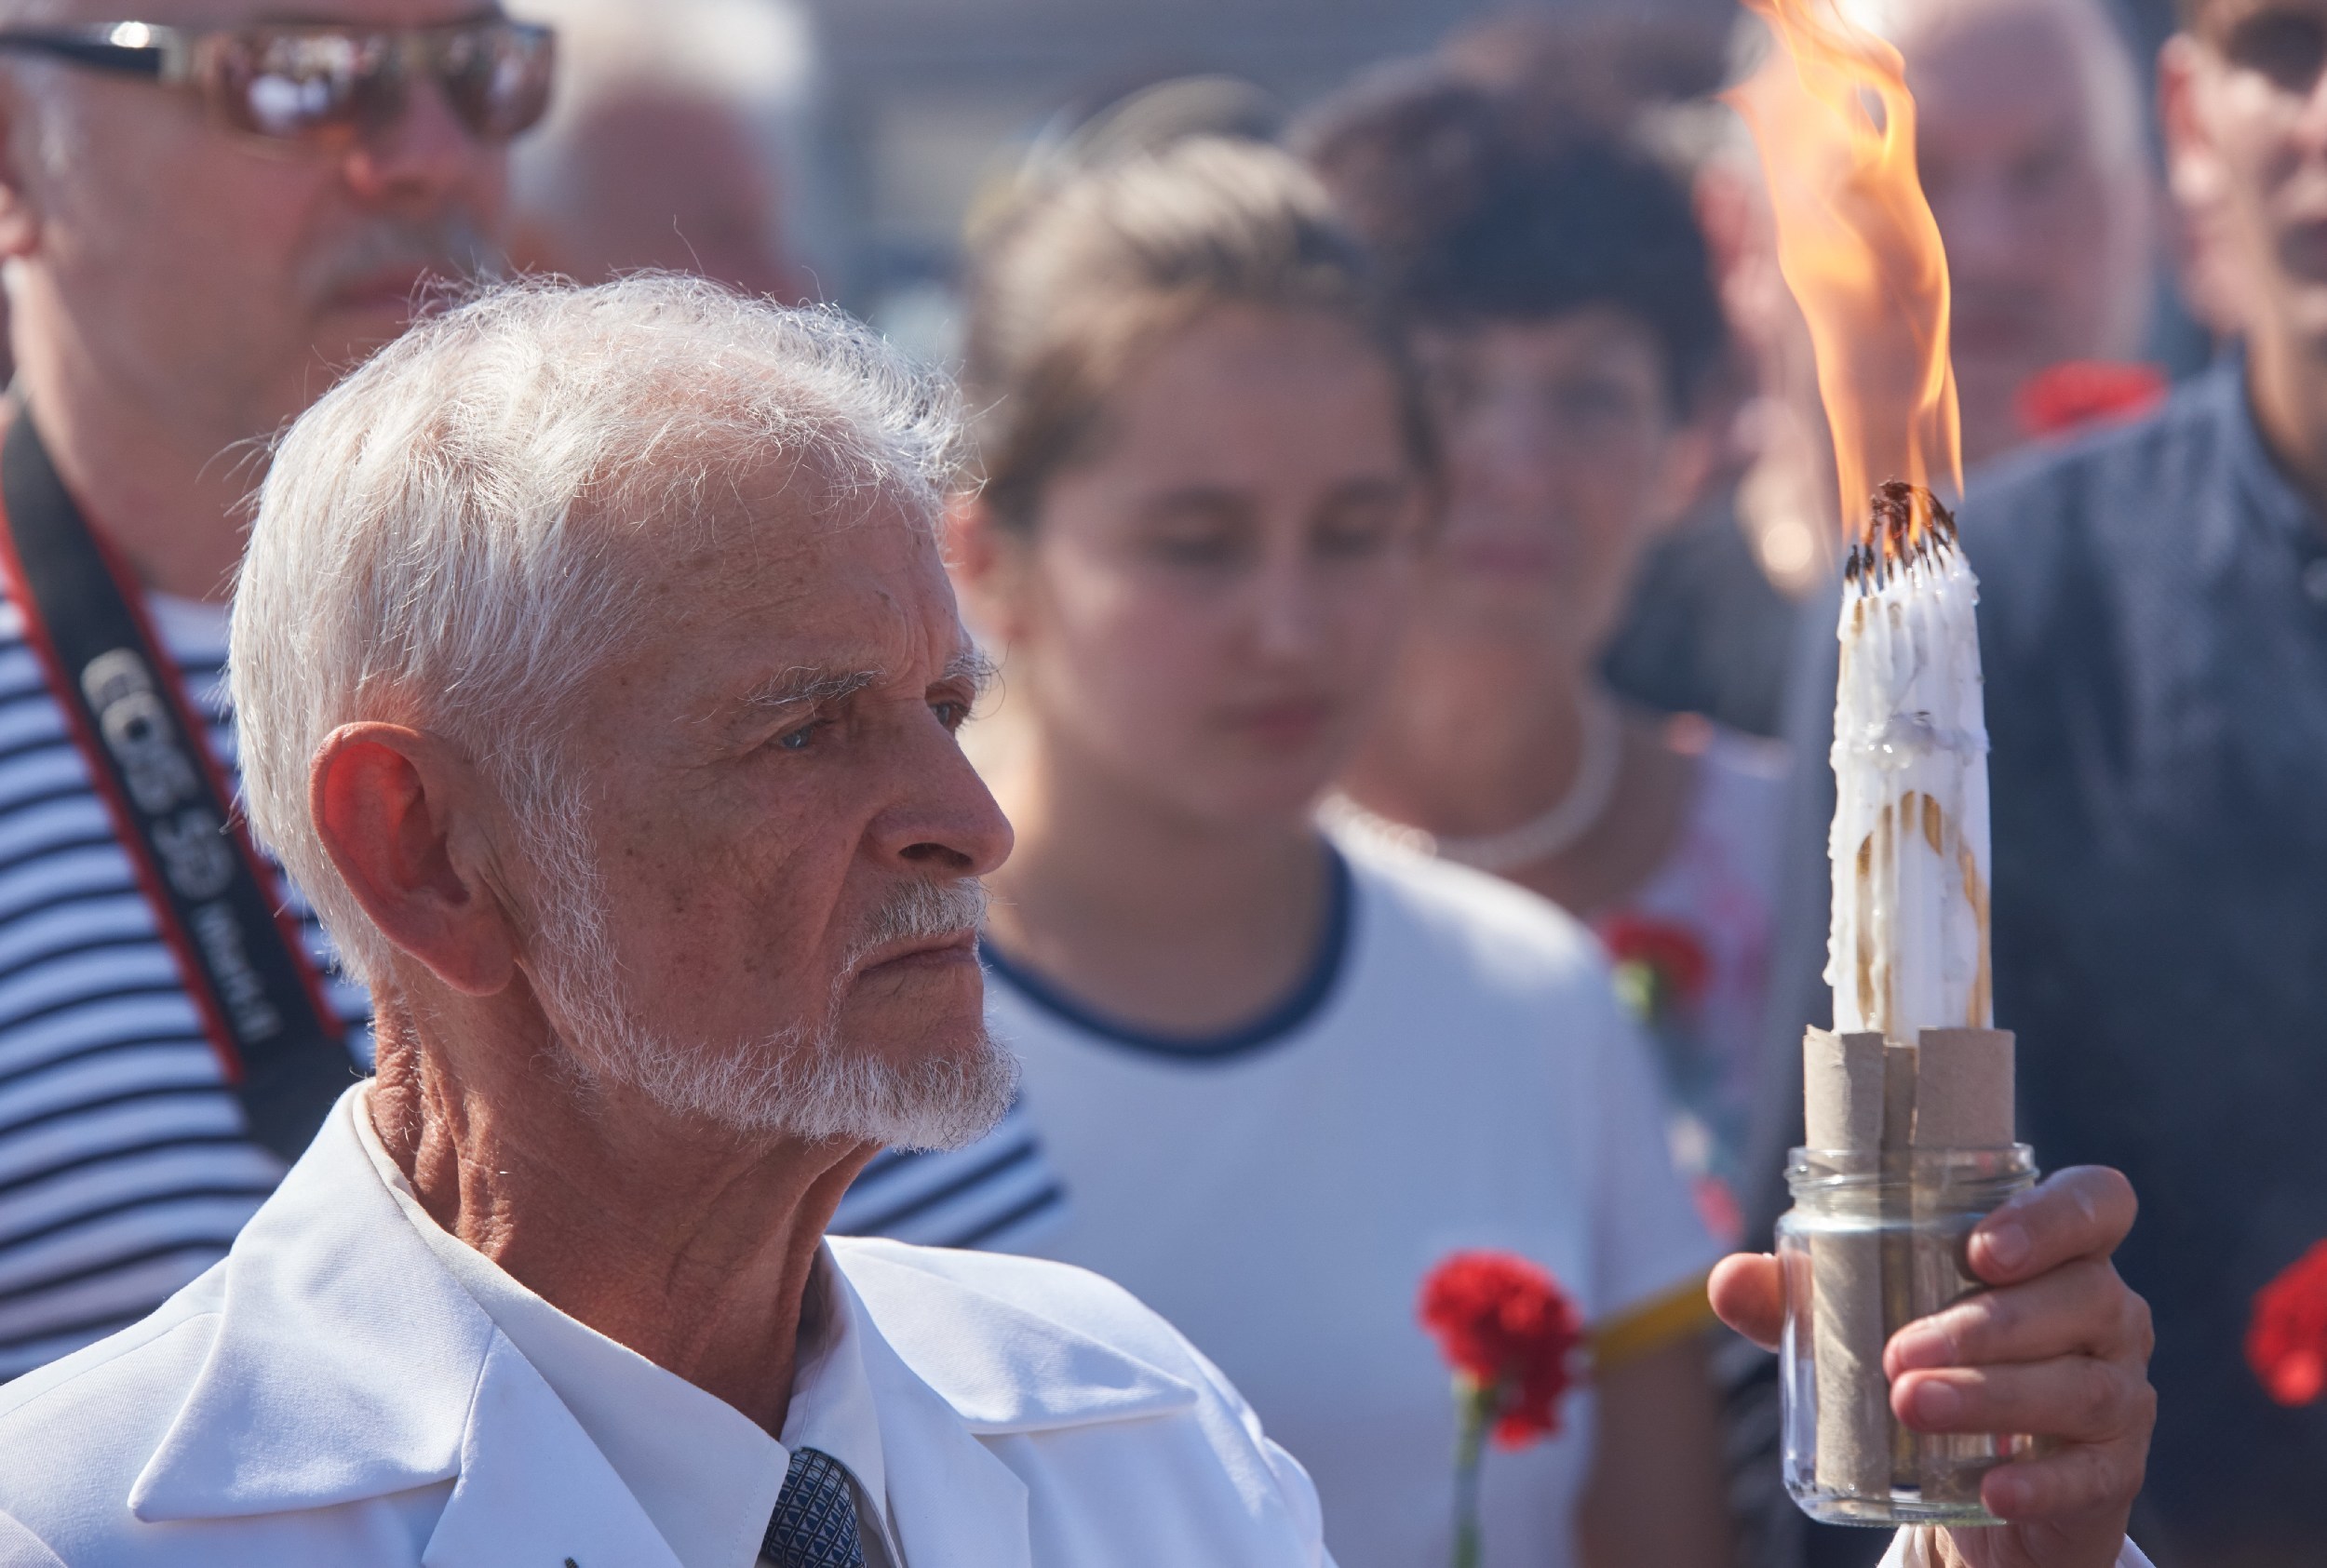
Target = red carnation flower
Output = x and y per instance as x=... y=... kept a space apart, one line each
x=2082 y=392
x=1510 y=1332
x=2286 y=1343
x=1659 y=965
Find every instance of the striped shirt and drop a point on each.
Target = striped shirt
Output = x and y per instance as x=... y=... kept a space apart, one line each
x=126 y=1168
x=999 y=1193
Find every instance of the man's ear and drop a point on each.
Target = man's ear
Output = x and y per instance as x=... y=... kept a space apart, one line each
x=2193 y=168
x=987 y=565
x=402 y=817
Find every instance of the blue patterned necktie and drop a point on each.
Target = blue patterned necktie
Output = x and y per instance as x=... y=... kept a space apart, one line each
x=814 y=1523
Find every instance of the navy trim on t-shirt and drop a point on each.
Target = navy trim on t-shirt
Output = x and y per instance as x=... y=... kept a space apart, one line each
x=1279 y=1022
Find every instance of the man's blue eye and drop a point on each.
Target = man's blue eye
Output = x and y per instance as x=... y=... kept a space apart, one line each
x=797 y=739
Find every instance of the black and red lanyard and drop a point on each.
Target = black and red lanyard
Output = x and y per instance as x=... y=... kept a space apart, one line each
x=261 y=1002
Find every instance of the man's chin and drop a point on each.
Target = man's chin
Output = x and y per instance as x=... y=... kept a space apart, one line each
x=923 y=1078
x=902 y=1010
x=941 y=1092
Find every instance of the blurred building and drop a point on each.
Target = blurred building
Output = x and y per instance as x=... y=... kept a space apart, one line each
x=922 y=102
x=927 y=100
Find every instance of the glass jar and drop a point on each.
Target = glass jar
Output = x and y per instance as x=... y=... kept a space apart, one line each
x=1873 y=1243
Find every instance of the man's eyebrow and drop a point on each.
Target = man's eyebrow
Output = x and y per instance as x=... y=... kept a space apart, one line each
x=805 y=684
x=974 y=667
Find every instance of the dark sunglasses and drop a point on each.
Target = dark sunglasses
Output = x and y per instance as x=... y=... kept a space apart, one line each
x=2287 y=45
x=323 y=84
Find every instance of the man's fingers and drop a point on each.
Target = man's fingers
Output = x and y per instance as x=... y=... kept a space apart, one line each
x=2083 y=1211
x=2080 y=1308
x=2072 y=1398
x=2061 y=1485
x=1747 y=1294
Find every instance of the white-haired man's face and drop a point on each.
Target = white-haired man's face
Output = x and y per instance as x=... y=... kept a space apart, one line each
x=766 y=915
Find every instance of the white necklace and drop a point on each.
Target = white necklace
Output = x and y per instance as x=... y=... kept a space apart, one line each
x=1599 y=760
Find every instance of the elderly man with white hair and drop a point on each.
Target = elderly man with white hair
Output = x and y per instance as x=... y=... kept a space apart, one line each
x=598 y=673
x=681 y=139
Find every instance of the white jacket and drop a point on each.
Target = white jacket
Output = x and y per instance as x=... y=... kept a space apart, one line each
x=329 y=1395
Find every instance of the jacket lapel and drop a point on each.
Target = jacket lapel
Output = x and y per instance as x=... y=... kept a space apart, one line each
x=534 y=1489
x=343 y=1360
x=950 y=1365
x=998 y=1365
x=954 y=1504
x=347 y=1365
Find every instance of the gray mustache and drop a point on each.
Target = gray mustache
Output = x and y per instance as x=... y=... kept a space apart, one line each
x=919 y=911
x=453 y=246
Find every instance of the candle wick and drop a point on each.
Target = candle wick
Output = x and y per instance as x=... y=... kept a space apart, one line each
x=1907 y=526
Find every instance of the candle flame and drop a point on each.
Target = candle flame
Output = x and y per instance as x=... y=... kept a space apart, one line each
x=1858 y=248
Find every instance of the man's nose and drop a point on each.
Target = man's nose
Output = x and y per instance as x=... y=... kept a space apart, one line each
x=948 y=823
x=421 y=155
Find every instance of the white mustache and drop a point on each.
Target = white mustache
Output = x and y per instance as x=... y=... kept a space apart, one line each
x=921 y=911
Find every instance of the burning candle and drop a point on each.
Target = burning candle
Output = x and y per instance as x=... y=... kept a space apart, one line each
x=1907 y=1102
x=1861 y=254
x=1908 y=948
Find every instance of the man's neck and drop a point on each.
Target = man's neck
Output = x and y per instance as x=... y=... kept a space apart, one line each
x=688 y=1247
x=2286 y=386
x=167 y=495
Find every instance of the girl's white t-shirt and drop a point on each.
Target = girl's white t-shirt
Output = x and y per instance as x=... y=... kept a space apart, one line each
x=1456 y=1073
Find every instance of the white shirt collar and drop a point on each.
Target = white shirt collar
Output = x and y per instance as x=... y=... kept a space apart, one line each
x=702 y=1471
x=832 y=1407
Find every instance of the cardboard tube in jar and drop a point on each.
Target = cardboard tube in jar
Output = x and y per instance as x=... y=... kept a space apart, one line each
x=1843 y=1081
x=1963 y=1097
x=1964 y=1100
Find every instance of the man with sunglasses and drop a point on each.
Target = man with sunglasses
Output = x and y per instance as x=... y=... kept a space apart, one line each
x=206 y=215
x=2154 y=632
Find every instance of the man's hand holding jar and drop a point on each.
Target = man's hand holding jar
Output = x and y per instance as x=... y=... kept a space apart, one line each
x=2057 y=1348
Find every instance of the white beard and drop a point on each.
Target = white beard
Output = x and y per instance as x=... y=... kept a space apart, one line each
x=798 y=1082
x=817 y=1088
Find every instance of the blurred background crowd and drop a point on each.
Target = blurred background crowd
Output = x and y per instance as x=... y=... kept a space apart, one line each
x=1404 y=516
